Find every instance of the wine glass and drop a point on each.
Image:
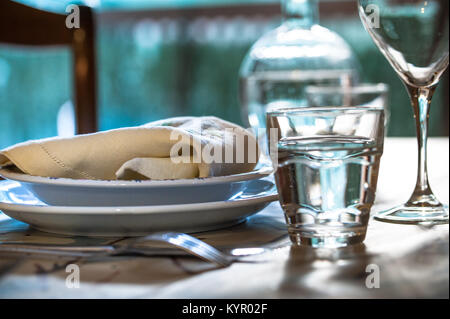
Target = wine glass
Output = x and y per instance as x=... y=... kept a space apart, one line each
x=414 y=37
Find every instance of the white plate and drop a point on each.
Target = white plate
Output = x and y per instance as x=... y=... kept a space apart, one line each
x=76 y=192
x=20 y=204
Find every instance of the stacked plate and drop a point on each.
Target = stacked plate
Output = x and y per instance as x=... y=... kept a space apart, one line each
x=134 y=208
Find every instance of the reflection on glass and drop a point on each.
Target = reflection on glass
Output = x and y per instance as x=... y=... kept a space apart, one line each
x=371 y=95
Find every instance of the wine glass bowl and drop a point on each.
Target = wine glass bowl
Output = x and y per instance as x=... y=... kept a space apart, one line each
x=414 y=37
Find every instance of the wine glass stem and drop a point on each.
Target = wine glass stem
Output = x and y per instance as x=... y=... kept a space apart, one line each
x=421 y=100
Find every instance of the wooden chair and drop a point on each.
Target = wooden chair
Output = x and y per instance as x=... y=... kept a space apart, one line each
x=27 y=26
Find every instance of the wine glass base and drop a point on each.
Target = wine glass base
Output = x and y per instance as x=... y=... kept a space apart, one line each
x=414 y=215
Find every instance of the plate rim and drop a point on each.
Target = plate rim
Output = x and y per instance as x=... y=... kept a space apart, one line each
x=263 y=197
x=258 y=173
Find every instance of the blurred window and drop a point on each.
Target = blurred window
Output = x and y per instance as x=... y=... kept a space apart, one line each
x=156 y=62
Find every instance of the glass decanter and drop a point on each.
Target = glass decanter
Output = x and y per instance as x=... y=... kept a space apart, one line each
x=284 y=61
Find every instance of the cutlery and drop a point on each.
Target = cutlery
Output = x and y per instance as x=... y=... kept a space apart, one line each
x=186 y=244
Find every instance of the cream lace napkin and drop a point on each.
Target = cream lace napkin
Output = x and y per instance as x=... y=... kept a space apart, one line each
x=182 y=147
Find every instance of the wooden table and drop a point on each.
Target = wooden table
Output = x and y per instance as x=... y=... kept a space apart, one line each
x=412 y=261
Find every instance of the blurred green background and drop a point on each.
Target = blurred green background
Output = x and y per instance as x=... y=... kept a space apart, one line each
x=152 y=69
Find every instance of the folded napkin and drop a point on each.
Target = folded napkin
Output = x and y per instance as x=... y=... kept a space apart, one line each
x=181 y=147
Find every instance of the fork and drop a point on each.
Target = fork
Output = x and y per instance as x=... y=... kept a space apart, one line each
x=187 y=243
x=182 y=241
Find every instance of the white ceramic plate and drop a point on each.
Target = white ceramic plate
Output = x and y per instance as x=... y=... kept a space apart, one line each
x=20 y=204
x=76 y=192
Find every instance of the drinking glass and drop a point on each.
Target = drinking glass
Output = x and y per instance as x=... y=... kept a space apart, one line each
x=413 y=35
x=366 y=94
x=326 y=162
